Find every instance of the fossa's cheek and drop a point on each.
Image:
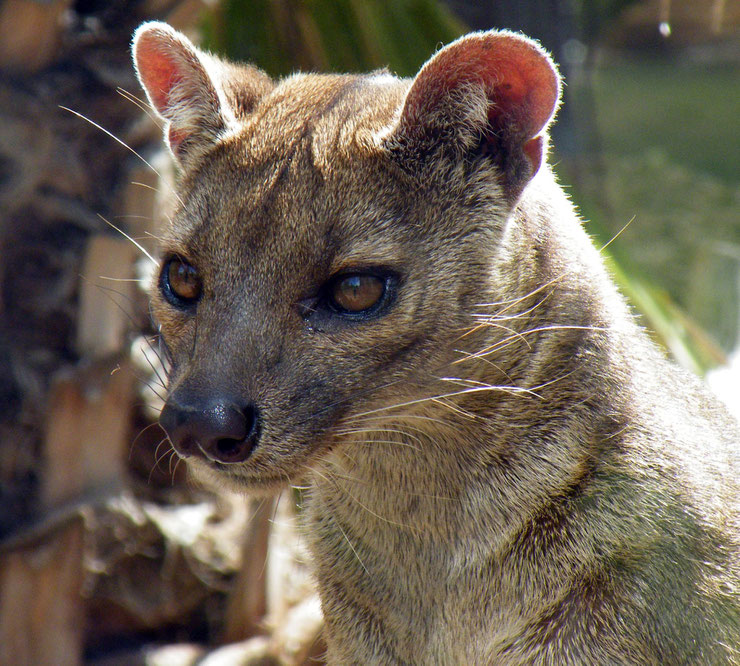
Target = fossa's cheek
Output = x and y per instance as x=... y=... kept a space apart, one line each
x=174 y=327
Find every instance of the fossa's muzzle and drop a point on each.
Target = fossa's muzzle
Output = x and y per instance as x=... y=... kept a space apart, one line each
x=218 y=430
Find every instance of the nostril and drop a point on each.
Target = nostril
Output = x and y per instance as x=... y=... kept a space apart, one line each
x=185 y=446
x=174 y=422
x=221 y=432
x=227 y=450
x=243 y=428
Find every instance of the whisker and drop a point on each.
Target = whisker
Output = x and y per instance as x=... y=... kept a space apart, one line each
x=149 y=234
x=109 y=291
x=178 y=460
x=145 y=354
x=618 y=234
x=456 y=409
x=502 y=344
x=140 y=103
x=164 y=440
x=342 y=488
x=513 y=301
x=146 y=186
x=500 y=316
x=122 y=143
x=470 y=356
x=313 y=469
x=472 y=383
x=371 y=416
x=552 y=381
x=385 y=441
x=174 y=455
x=113 y=279
x=514 y=389
x=349 y=543
x=131 y=216
x=136 y=439
x=411 y=528
x=514 y=335
x=150 y=386
x=359 y=431
x=158 y=458
x=354 y=396
x=130 y=238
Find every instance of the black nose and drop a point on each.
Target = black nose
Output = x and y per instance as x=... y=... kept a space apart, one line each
x=219 y=431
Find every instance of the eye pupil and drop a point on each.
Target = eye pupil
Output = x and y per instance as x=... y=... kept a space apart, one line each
x=183 y=280
x=357 y=293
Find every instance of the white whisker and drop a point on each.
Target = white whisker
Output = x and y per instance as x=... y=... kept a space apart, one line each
x=140 y=103
x=123 y=143
x=135 y=242
x=349 y=543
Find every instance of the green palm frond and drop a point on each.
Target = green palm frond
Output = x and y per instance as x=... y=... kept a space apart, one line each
x=281 y=36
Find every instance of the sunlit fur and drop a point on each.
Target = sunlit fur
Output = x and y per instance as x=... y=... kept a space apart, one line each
x=500 y=469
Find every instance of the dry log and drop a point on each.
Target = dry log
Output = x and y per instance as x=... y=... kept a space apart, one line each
x=87 y=435
x=248 y=600
x=106 y=294
x=41 y=609
x=41 y=617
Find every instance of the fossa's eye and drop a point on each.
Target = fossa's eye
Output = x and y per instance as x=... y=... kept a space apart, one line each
x=180 y=282
x=350 y=297
x=356 y=293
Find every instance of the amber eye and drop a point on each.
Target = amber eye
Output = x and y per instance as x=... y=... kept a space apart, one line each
x=180 y=282
x=356 y=293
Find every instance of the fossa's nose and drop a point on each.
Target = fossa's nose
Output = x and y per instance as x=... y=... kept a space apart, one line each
x=219 y=430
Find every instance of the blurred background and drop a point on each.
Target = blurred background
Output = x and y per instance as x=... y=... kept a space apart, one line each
x=107 y=554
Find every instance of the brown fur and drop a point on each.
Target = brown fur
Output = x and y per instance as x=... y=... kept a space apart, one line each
x=500 y=468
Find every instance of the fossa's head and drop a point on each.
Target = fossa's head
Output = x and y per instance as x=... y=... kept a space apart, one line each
x=332 y=237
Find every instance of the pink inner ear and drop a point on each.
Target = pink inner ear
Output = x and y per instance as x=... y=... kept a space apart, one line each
x=517 y=76
x=533 y=150
x=158 y=69
x=528 y=89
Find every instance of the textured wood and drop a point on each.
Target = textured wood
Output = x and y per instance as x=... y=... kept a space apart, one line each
x=248 y=601
x=88 y=435
x=41 y=612
x=106 y=294
x=141 y=205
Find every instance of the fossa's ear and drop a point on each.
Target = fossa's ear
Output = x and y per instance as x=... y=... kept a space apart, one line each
x=200 y=97
x=491 y=93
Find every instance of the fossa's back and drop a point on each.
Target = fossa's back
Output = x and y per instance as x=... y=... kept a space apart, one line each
x=375 y=287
